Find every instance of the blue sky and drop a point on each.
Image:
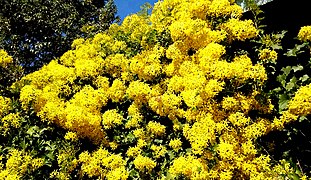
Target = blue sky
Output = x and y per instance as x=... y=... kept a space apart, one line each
x=126 y=7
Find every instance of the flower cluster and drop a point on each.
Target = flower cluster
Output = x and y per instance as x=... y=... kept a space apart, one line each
x=104 y=164
x=18 y=163
x=5 y=105
x=5 y=59
x=305 y=33
x=268 y=55
x=8 y=121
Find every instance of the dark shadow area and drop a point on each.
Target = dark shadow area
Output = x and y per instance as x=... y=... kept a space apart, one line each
x=294 y=142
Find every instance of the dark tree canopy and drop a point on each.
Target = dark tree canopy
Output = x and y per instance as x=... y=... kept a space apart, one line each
x=37 y=31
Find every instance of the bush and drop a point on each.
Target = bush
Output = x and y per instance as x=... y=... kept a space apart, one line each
x=163 y=97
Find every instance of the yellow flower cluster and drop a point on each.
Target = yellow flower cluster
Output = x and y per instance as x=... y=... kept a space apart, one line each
x=143 y=163
x=268 y=55
x=17 y=164
x=201 y=134
x=191 y=167
x=117 y=91
x=66 y=161
x=5 y=105
x=240 y=30
x=305 y=33
x=5 y=59
x=8 y=121
x=147 y=65
x=135 y=117
x=112 y=118
x=301 y=103
x=71 y=136
x=156 y=128
x=103 y=164
x=175 y=144
x=223 y=8
x=138 y=91
x=159 y=151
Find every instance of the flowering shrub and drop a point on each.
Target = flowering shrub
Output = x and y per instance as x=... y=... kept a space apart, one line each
x=162 y=97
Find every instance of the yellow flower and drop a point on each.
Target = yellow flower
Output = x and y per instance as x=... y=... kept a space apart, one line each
x=221 y=8
x=249 y=148
x=189 y=166
x=175 y=144
x=77 y=42
x=102 y=82
x=37 y=163
x=134 y=121
x=305 y=33
x=159 y=151
x=72 y=136
x=301 y=103
x=10 y=120
x=240 y=30
x=118 y=174
x=229 y=103
x=113 y=145
x=268 y=55
x=28 y=95
x=5 y=59
x=226 y=150
x=138 y=91
x=201 y=134
x=112 y=118
x=225 y=175
x=133 y=151
x=238 y=119
x=256 y=130
x=139 y=133
x=117 y=91
x=144 y=163
x=156 y=128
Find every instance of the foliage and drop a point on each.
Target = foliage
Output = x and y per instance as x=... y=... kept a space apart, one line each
x=166 y=96
x=250 y=4
x=35 y=32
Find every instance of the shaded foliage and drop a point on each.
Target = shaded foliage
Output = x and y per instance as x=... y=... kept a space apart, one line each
x=37 y=31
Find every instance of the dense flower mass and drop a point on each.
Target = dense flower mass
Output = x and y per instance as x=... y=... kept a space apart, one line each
x=18 y=163
x=163 y=96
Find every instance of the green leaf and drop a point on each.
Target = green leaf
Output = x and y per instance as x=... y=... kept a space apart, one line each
x=188 y=150
x=283 y=101
x=289 y=86
x=297 y=68
x=281 y=79
x=296 y=50
x=292 y=83
x=33 y=130
x=293 y=176
x=277 y=90
x=276 y=46
x=302 y=118
x=286 y=70
x=304 y=78
x=158 y=141
x=171 y=154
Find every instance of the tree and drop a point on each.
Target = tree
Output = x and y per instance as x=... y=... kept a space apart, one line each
x=247 y=4
x=37 y=31
x=181 y=94
x=170 y=96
